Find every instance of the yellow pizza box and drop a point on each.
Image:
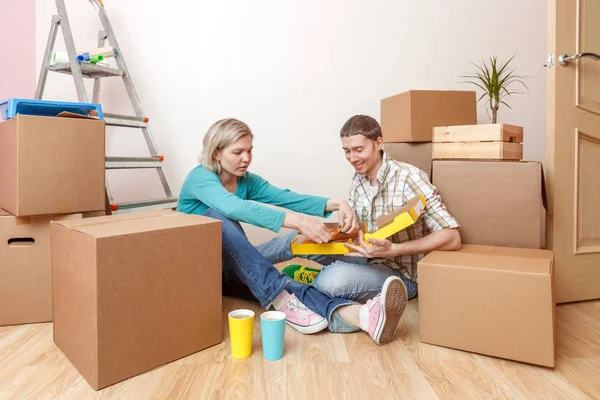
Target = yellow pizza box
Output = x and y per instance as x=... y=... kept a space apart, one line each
x=389 y=225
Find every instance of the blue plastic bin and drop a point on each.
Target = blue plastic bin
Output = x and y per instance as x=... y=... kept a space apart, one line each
x=45 y=108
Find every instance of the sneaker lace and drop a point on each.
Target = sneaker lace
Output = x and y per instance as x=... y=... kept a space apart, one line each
x=305 y=276
x=373 y=302
x=296 y=307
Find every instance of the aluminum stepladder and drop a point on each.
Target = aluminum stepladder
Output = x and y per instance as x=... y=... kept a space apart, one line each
x=97 y=72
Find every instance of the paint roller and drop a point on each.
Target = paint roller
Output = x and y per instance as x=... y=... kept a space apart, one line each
x=87 y=57
x=92 y=56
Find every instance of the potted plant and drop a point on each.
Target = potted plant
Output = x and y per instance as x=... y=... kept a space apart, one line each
x=497 y=81
x=497 y=141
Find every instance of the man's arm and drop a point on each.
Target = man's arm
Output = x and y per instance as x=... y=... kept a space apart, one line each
x=444 y=239
x=444 y=233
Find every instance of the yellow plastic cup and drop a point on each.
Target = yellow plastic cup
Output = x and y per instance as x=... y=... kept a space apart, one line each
x=241 y=324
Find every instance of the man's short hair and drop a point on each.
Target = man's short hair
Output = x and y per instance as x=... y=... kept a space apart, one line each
x=361 y=125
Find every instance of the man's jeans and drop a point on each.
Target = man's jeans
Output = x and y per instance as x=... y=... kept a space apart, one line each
x=342 y=276
x=247 y=274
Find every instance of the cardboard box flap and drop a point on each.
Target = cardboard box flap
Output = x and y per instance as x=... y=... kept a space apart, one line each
x=119 y=227
x=525 y=253
x=414 y=208
x=68 y=114
x=113 y=218
x=476 y=249
x=506 y=251
x=491 y=261
x=544 y=190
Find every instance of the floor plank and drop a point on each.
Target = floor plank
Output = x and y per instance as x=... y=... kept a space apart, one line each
x=324 y=365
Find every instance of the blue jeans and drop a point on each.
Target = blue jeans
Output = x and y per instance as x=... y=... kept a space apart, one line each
x=247 y=274
x=342 y=276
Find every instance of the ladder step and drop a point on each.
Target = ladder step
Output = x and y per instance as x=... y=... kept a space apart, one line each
x=88 y=70
x=103 y=70
x=125 y=120
x=134 y=162
x=146 y=205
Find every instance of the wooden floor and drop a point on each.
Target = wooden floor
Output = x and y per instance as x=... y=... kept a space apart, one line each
x=322 y=366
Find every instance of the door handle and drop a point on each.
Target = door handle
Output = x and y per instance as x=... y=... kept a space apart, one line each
x=564 y=59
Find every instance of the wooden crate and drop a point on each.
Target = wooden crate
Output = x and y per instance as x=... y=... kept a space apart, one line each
x=478 y=151
x=486 y=141
x=478 y=133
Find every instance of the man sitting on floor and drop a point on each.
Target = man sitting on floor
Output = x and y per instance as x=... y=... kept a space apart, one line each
x=380 y=186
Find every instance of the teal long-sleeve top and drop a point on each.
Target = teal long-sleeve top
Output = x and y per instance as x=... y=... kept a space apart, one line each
x=202 y=189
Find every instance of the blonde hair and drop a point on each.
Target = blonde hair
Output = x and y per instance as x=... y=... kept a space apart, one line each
x=220 y=135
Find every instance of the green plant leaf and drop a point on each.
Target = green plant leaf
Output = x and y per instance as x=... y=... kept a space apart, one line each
x=494 y=77
x=496 y=80
x=477 y=84
x=506 y=65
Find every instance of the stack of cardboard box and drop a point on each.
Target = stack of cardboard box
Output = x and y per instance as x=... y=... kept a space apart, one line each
x=499 y=286
x=408 y=119
x=50 y=169
x=497 y=198
x=127 y=293
x=495 y=295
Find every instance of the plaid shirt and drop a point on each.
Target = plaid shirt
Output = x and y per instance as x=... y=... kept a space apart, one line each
x=398 y=182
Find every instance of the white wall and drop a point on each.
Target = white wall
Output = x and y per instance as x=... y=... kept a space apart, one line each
x=295 y=71
x=17 y=59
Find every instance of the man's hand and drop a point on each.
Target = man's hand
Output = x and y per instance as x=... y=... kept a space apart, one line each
x=347 y=218
x=375 y=248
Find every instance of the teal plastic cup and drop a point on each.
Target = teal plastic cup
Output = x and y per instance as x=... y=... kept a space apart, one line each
x=272 y=326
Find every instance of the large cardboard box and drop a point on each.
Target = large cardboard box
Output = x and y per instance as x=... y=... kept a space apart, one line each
x=135 y=291
x=411 y=116
x=51 y=165
x=417 y=154
x=489 y=300
x=25 y=273
x=497 y=203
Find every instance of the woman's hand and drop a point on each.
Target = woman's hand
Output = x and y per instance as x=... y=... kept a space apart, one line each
x=376 y=248
x=311 y=228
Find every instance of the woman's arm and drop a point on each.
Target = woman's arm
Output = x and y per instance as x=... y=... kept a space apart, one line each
x=206 y=187
x=262 y=191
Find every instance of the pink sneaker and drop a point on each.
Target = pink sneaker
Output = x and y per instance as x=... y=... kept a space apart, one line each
x=381 y=315
x=300 y=317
